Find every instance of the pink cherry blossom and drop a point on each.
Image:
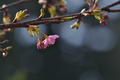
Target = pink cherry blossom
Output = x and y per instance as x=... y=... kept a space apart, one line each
x=41 y=44
x=51 y=39
x=48 y=41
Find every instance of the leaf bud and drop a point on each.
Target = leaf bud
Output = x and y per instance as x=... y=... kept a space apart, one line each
x=103 y=22
x=52 y=10
x=62 y=2
x=97 y=9
x=42 y=13
x=97 y=15
x=6 y=19
x=33 y=30
x=66 y=19
x=20 y=15
x=75 y=25
x=26 y=15
x=8 y=48
x=31 y=33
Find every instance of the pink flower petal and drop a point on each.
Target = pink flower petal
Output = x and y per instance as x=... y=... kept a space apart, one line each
x=51 y=39
x=48 y=41
x=54 y=36
x=42 y=45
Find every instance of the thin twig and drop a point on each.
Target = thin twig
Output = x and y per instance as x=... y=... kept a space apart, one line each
x=16 y=3
x=107 y=8
x=113 y=4
x=3 y=42
x=111 y=10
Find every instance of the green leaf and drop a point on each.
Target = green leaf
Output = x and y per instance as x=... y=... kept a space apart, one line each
x=66 y=19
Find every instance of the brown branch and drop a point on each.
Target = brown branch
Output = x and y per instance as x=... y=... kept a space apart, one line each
x=53 y=20
x=111 y=10
x=107 y=8
x=24 y=24
x=16 y=3
x=113 y=4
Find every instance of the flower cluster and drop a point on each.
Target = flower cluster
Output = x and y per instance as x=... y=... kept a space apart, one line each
x=94 y=10
x=41 y=44
x=49 y=40
x=101 y=17
x=33 y=30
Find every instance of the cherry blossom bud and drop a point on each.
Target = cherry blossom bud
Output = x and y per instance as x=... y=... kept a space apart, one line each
x=5 y=54
x=42 y=1
x=63 y=9
x=6 y=19
x=103 y=22
x=9 y=29
x=105 y=16
x=6 y=15
x=4 y=5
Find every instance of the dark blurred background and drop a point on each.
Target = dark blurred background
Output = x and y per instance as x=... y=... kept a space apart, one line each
x=90 y=53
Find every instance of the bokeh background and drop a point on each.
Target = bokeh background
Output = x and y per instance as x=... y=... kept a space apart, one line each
x=90 y=53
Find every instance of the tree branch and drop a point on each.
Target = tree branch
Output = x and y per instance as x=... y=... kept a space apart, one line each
x=107 y=8
x=16 y=3
x=24 y=24
x=53 y=20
